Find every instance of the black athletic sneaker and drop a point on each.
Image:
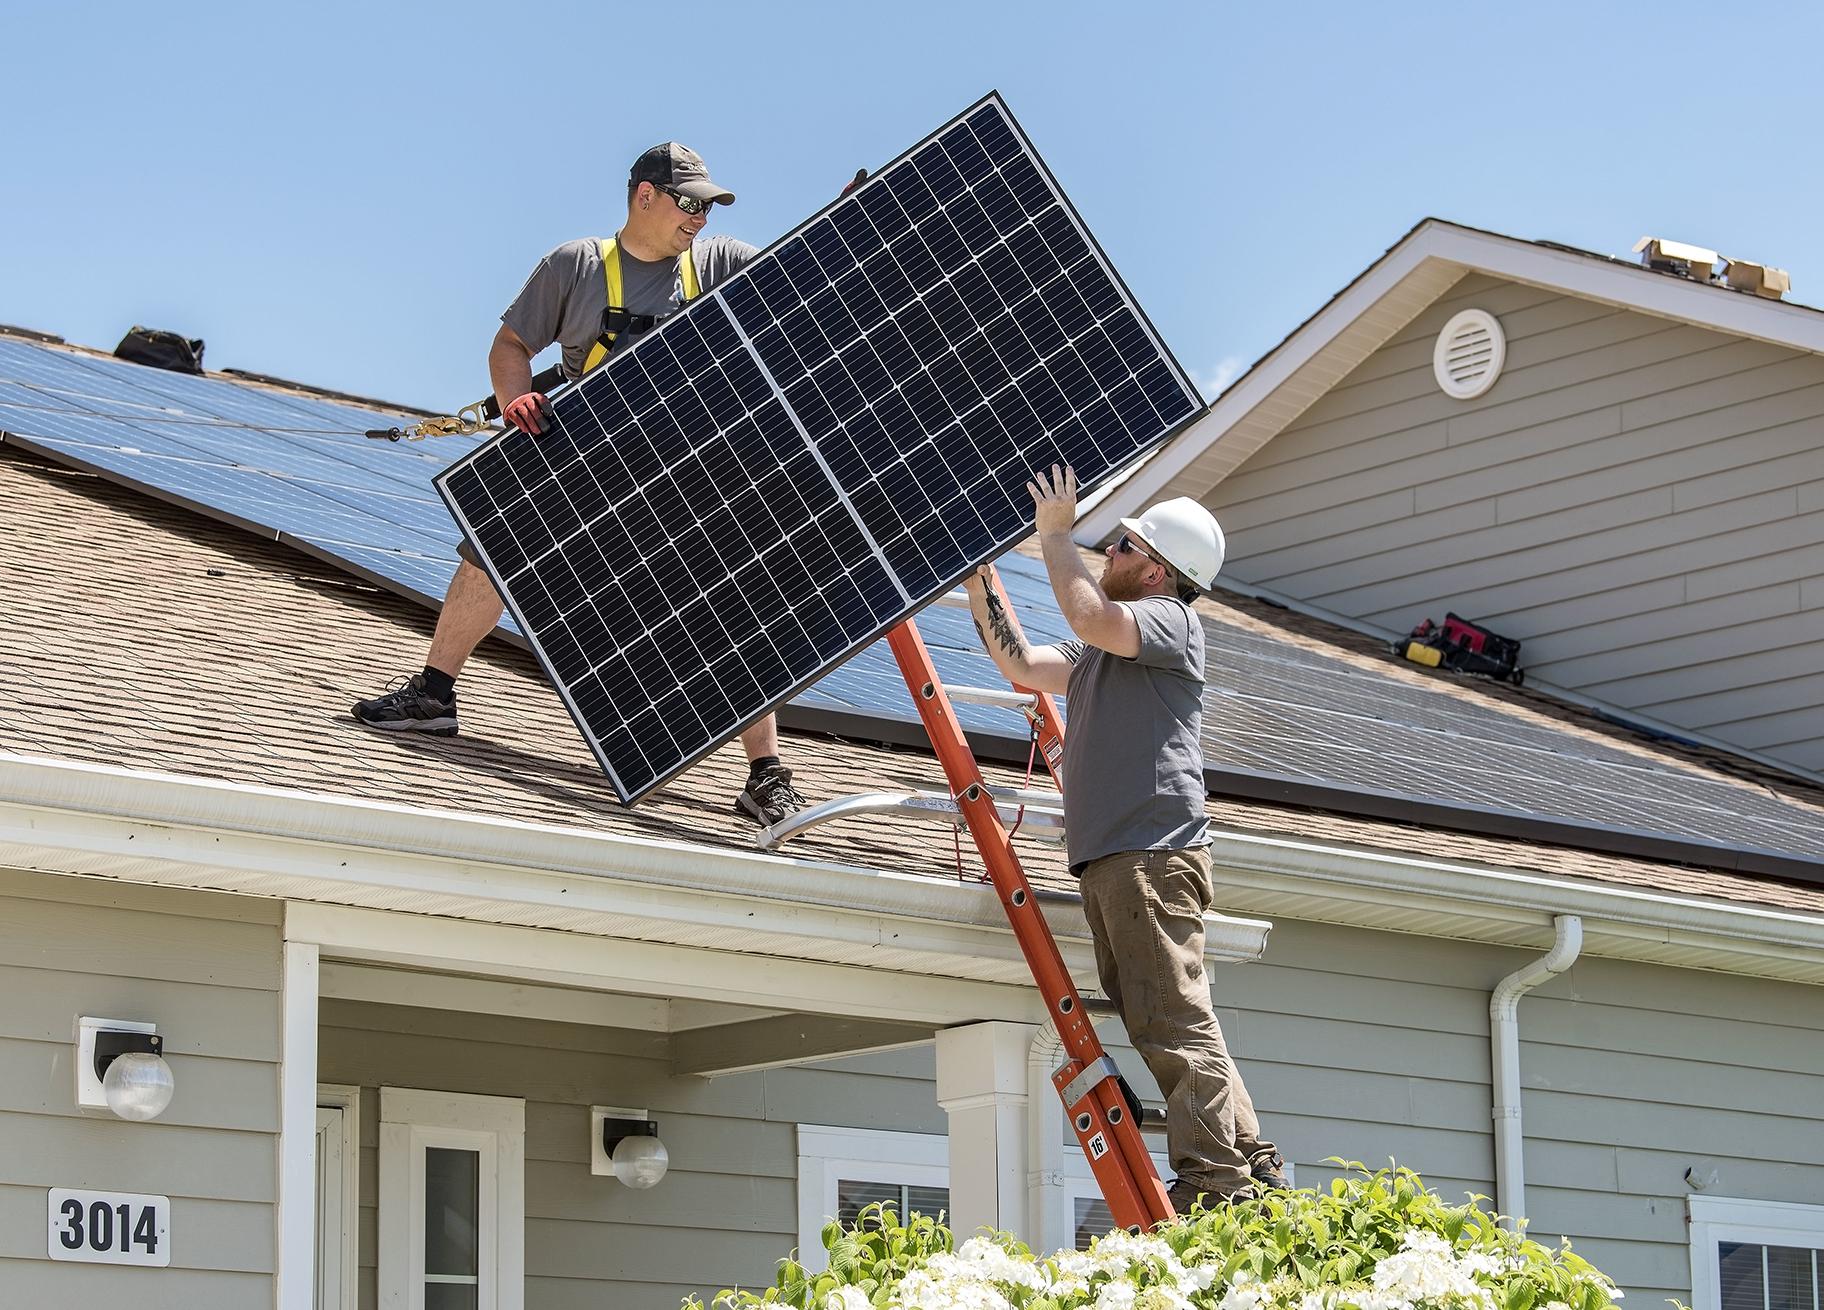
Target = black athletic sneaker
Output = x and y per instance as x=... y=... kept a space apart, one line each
x=408 y=707
x=769 y=796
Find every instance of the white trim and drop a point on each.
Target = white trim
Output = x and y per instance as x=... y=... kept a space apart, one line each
x=494 y=1127
x=95 y=820
x=296 y=1272
x=1738 y=1219
x=347 y=1098
x=57 y=830
x=332 y=1210
x=826 y=1154
x=1431 y=247
x=652 y=968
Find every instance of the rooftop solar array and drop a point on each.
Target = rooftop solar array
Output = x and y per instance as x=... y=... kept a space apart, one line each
x=295 y=467
x=279 y=463
x=745 y=497
x=1343 y=735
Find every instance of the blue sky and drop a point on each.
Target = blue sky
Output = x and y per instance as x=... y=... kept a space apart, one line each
x=350 y=195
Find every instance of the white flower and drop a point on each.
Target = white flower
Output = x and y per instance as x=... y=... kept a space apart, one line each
x=846 y=1298
x=1245 y=1293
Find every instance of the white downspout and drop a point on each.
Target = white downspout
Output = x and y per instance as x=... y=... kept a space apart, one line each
x=1048 y=1227
x=1504 y=1037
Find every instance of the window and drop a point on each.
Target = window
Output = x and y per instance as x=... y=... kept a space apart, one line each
x=840 y=1170
x=1756 y=1255
x=452 y=1201
x=1089 y=1214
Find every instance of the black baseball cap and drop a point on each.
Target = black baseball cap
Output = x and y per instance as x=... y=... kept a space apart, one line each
x=681 y=169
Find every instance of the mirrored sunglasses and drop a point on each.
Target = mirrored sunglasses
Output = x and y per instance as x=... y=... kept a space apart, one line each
x=689 y=204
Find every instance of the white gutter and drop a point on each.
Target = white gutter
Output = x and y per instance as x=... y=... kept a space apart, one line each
x=1504 y=1041
x=102 y=820
x=1048 y=1225
x=1369 y=888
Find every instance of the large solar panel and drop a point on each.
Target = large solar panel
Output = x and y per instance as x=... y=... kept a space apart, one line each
x=745 y=497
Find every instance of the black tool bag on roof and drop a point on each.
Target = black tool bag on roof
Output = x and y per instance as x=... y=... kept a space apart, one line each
x=156 y=348
x=1464 y=646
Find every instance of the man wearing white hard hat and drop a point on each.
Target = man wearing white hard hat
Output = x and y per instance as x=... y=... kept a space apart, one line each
x=1134 y=808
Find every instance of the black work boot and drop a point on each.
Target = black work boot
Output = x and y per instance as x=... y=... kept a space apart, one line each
x=769 y=796
x=1270 y=1173
x=407 y=707
x=1183 y=1194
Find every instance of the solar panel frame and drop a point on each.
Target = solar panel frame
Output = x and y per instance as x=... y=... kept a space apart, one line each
x=933 y=203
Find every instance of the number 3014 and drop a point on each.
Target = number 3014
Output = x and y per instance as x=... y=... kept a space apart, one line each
x=109 y=1227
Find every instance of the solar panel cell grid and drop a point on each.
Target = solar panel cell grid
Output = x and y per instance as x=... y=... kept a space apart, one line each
x=805 y=455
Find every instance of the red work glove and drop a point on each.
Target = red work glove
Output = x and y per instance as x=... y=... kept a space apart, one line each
x=528 y=412
x=861 y=175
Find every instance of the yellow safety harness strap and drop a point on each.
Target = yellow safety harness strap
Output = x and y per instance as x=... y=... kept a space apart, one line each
x=616 y=319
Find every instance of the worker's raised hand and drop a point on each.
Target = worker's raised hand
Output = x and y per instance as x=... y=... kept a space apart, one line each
x=527 y=413
x=1056 y=498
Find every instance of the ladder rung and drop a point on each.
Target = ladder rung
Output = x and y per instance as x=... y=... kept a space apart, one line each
x=1003 y=696
x=953 y=600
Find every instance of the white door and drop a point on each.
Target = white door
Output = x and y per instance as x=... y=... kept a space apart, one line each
x=330 y=1219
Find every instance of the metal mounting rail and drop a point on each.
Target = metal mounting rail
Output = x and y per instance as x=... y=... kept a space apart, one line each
x=1039 y=813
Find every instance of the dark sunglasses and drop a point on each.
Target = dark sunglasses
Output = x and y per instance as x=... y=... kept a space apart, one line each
x=689 y=204
x=1127 y=543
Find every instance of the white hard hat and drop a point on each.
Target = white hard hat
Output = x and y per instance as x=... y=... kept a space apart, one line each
x=1185 y=535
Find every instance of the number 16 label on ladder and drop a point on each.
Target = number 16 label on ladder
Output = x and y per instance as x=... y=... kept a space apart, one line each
x=110 y=1228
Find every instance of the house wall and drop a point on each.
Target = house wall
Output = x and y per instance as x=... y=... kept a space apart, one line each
x=1366 y=1045
x=1640 y=501
x=724 y=1214
x=205 y=969
x=1362 y=1045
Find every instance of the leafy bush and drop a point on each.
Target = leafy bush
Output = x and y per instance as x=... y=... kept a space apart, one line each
x=1373 y=1241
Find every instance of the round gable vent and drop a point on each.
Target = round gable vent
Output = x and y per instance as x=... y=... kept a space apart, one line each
x=1469 y=354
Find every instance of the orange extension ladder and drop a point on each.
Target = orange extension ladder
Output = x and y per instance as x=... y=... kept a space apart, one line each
x=1088 y=1080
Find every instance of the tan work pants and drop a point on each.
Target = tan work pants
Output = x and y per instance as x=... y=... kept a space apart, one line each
x=1145 y=912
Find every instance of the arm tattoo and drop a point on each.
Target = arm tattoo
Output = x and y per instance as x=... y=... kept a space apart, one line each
x=1004 y=632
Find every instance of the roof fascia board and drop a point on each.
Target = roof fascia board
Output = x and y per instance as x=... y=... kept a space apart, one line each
x=104 y=821
x=1403 y=893
x=1273 y=875
x=1625 y=286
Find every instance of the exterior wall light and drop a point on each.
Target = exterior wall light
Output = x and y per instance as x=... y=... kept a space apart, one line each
x=626 y=1143
x=120 y=1066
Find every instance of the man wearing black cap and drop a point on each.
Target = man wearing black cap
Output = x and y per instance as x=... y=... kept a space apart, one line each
x=644 y=273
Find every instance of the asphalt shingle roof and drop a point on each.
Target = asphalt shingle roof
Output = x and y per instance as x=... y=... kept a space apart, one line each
x=145 y=636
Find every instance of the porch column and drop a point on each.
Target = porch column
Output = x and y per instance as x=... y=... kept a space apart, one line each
x=981 y=1083
x=297 y=1200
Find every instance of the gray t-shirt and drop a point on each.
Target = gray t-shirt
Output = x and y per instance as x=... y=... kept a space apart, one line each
x=566 y=295
x=1133 y=756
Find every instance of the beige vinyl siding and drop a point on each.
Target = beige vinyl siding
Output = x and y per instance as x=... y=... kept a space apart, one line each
x=1640 y=501
x=206 y=970
x=725 y=1213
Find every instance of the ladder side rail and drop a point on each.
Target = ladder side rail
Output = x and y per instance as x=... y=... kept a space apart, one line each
x=1108 y=1134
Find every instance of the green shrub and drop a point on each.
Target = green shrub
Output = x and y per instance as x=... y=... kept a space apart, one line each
x=1374 y=1241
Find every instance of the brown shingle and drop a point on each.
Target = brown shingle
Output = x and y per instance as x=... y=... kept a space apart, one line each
x=122 y=649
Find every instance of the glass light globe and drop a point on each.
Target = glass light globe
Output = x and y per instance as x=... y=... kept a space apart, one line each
x=640 y=1161
x=138 y=1085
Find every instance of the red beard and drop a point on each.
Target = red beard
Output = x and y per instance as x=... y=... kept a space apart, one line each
x=1119 y=588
